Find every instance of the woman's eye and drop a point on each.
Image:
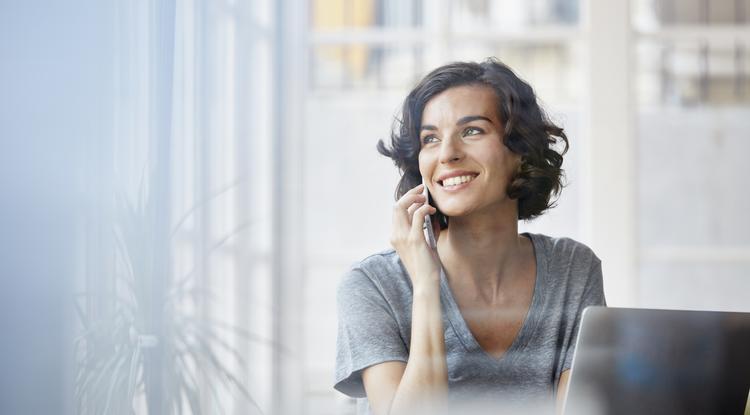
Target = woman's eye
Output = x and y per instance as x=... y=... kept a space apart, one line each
x=472 y=131
x=428 y=139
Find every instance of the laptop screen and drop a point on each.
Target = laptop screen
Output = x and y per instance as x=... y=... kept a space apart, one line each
x=631 y=361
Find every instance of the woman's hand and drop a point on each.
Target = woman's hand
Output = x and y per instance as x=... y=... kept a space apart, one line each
x=407 y=237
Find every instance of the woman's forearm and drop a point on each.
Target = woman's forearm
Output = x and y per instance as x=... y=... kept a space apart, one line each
x=425 y=380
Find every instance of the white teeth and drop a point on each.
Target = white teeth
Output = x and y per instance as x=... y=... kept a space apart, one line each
x=454 y=181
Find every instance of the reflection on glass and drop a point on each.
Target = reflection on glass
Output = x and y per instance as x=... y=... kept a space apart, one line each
x=553 y=68
x=689 y=180
x=694 y=285
x=512 y=14
x=339 y=14
x=364 y=67
x=649 y=13
x=689 y=73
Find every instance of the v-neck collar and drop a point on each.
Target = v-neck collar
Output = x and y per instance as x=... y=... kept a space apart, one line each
x=461 y=328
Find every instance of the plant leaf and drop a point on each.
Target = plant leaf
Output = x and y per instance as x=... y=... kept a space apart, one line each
x=116 y=379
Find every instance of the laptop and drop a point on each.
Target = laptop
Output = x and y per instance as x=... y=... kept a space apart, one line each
x=641 y=361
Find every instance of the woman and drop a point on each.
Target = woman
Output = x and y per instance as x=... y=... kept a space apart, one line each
x=489 y=317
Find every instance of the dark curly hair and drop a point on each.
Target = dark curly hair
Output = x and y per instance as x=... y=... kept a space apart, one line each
x=528 y=132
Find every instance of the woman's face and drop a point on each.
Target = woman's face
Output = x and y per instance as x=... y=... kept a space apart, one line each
x=463 y=160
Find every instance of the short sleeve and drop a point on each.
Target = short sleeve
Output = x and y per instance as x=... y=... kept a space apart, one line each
x=368 y=332
x=593 y=295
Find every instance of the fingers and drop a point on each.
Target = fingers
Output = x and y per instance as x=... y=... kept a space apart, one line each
x=418 y=218
x=402 y=209
x=414 y=195
x=409 y=216
x=413 y=207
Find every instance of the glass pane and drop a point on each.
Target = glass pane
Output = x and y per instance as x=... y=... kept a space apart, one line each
x=338 y=14
x=690 y=73
x=341 y=132
x=727 y=78
x=651 y=13
x=689 y=189
x=327 y=67
x=553 y=69
x=650 y=73
x=343 y=67
x=512 y=14
x=695 y=285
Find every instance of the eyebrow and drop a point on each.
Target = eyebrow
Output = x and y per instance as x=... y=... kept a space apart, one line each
x=462 y=120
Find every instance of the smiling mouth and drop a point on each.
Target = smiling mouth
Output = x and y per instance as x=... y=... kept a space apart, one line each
x=456 y=181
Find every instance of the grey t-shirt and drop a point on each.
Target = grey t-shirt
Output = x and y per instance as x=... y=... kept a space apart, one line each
x=374 y=310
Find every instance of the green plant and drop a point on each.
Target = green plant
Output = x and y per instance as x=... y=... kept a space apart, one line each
x=149 y=344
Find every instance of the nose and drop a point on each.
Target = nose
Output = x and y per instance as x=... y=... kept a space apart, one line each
x=451 y=150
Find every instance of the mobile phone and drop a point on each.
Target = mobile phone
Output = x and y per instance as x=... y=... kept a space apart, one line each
x=429 y=234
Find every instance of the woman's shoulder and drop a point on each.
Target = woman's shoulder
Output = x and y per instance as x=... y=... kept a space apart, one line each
x=382 y=269
x=562 y=256
x=563 y=247
x=384 y=258
x=570 y=267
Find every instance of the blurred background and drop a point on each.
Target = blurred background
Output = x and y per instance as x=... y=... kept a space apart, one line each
x=184 y=181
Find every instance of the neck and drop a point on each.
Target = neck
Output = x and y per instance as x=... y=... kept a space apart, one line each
x=482 y=253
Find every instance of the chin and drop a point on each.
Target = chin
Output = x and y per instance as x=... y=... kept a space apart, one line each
x=452 y=210
x=455 y=212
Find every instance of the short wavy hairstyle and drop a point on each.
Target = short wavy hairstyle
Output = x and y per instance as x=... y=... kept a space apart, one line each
x=528 y=132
